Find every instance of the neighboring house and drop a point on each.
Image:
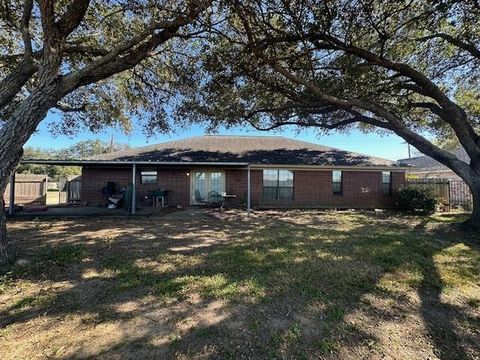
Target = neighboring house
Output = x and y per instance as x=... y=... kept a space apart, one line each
x=447 y=185
x=426 y=167
x=260 y=171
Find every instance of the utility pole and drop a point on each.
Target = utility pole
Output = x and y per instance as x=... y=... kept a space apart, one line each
x=111 y=144
x=409 y=151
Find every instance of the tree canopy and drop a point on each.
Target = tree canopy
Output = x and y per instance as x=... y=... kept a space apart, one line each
x=109 y=58
x=80 y=150
x=407 y=67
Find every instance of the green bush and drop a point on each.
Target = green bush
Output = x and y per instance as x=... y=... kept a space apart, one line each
x=415 y=200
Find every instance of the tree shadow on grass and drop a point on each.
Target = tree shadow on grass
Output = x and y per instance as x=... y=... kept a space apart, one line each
x=282 y=289
x=443 y=319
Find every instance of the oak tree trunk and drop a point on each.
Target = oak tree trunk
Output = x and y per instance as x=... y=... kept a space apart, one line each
x=470 y=174
x=6 y=250
x=474 y=219
x=13 y=135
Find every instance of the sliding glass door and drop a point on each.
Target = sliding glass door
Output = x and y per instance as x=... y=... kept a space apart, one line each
x=206 y=186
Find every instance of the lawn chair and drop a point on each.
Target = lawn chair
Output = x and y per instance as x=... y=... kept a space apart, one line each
x=198 y=198
x=214 y=197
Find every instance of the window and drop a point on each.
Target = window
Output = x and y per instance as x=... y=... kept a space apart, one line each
x=216 y=182
x=337 y=182
x=277 y=185
x=386 y=183
x=148 y=177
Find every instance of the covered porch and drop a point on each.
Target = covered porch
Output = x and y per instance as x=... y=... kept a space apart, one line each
x=148 y=185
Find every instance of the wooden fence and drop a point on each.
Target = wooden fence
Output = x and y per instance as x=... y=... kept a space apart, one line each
x=64 y=191
x=29 y=188
x=451 y=193
x=460 y=195
x=36 y=189
x=73 y=189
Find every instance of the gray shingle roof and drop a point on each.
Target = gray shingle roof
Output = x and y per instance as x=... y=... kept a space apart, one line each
x=425 y=162
x=251 y=149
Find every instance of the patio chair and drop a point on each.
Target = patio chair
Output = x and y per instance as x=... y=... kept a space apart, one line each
x=198 y=197
x=214 y=197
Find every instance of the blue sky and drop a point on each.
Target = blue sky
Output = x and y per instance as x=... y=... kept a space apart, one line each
x=389 y=147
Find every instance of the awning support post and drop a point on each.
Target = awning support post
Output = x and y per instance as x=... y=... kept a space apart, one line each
x=11 y=207
x=134 y=172
x=248 y=190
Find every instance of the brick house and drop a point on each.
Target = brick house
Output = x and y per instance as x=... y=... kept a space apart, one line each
x=259 y=171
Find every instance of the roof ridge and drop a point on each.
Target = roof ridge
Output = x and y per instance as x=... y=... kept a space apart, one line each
x=249 y=136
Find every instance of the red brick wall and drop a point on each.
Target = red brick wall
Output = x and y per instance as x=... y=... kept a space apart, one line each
x=236 y=183
x=361 y=189
x=95 y=179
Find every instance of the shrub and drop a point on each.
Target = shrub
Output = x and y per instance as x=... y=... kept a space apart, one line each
x=415 y=200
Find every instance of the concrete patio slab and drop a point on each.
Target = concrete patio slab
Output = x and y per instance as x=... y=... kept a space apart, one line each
x=192 y=213
x=81 y=212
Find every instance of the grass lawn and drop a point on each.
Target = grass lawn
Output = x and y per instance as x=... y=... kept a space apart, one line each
x=277 y=285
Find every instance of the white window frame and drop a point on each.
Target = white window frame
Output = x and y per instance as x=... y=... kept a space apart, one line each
x=207 y=182
x=149 y=173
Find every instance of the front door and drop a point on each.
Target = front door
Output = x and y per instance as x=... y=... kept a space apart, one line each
x=205 y=184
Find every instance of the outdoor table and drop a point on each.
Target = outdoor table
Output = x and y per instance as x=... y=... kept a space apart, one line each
x=225 y=197
x=161 y=197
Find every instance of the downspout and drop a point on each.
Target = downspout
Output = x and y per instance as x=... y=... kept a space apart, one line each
x=248 y=190
x=134 y=172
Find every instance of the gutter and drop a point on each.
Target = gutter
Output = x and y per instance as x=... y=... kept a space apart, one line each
x=126 y=162
x=210 y=164
x=330 y=167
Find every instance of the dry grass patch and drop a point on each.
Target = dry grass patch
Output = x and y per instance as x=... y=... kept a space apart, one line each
x=293 y=284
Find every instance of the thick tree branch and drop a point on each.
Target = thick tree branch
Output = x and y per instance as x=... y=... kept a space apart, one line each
x=392 y=122
x=68 y=49
x=72 y=17
x=434 y=108
x=453 y=114
x=339 y=124
x=48 y=20
x=140 y=47
x=412 y=87
x=25 y=27
x=15 y=80
x=469 y=47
